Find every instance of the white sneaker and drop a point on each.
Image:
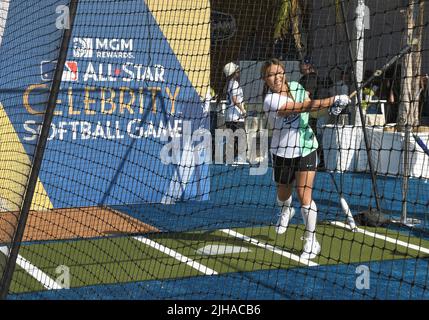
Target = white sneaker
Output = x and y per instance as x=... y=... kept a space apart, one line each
x=284 y=218
x=311 y=248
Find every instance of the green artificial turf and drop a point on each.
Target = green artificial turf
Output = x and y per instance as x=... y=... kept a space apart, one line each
x=119 y=260
x=23 y=282
x=105 y=261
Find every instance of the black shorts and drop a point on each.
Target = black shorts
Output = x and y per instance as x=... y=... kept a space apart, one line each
x=284 y=169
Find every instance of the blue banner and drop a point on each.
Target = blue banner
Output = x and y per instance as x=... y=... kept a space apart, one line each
x=123 y=94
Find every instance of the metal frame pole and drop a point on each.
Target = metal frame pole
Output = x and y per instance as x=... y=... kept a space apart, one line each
x=38 y=156
x=367 y=146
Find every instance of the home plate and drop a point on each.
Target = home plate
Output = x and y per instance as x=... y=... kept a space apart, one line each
x=214 y=249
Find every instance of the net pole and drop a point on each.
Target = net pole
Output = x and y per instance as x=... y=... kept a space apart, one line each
x=367 y=147
x=38 y=155
x=360 y=46
x=406 y=173
x=406 y=170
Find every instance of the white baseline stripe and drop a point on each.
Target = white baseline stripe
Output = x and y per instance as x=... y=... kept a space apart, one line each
x=269 y=247
x=35 y=272
x=385 y=238
x=177 y=256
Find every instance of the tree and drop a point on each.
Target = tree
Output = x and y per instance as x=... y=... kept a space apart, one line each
x=294 y=17
x=408 y=114
x=290 y=19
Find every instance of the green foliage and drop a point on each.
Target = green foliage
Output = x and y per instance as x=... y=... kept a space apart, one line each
x=282 y=26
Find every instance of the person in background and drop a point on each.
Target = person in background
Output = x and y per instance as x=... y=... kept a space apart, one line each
x=309 y=79
x=391 y=91
x=316 y=88
x=342 y=86
x=424 y=107
x=235 y=110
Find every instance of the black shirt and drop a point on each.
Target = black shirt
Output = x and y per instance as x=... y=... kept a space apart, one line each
x=311 y=83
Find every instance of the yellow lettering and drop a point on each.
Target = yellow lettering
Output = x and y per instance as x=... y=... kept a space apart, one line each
x=141 y=106
x=70 y=98
x=154 y=91
x=110 y=101
x=57 y=112
x=172 y=97
x=128 y=105
x=26 y=100
x=87 y=101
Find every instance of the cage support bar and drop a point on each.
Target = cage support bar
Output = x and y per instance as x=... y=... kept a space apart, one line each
x=39 y=153
x=367 y=146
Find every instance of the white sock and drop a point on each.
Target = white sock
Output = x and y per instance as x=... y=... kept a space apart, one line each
x=309 y=213
x=284 y=204
x=304 y=214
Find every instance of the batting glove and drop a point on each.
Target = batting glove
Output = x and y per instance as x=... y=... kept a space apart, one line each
x=340 y=103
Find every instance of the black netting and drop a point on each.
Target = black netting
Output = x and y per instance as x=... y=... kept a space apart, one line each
x=215 y=149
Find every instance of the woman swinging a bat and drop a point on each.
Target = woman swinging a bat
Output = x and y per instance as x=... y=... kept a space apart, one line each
x=294 y=146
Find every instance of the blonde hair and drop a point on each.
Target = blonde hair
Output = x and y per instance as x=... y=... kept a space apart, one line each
x=264 y=69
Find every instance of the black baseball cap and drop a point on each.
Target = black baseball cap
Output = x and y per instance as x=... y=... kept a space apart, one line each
x=307 y=60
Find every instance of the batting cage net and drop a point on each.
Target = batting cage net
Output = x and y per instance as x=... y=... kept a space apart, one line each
x=214 y=149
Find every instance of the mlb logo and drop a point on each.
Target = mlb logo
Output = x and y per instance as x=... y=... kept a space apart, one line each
x=47 y=69
x=83 y=47
x=70 y=73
